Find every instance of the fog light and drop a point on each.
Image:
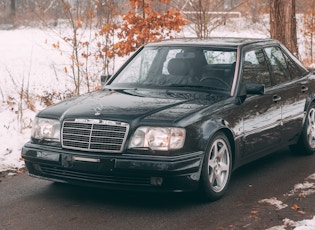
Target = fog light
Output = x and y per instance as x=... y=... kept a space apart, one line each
x=156 y=181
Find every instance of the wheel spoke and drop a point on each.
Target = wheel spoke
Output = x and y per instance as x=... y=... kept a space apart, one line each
x=212 y=177
x=222 y=152
x=219 y=180
x=215 y=149
x=224 y=167
x=211 y=164
x=312 y=116
x=215 y=179
x=310 y=129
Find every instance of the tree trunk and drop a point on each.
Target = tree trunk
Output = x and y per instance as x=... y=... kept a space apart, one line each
x=283 y=23
x=12 y=11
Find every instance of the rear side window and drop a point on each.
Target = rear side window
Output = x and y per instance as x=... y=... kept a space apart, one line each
x=295 y=63
x=294 y=71
x=279 y=65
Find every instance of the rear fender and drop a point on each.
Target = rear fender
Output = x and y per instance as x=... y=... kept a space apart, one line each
x=309 y=101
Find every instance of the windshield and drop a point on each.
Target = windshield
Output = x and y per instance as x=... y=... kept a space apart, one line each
x=180 y=67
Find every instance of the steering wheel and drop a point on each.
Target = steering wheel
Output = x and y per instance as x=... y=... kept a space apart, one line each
x=222 y=82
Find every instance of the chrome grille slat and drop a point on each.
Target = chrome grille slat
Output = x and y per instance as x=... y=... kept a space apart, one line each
x=94 y=135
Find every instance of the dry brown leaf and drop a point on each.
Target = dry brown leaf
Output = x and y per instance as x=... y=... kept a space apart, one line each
x=295 y=207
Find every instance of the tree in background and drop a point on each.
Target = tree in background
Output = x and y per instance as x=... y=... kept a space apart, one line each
x=255 y=10
x=95 y=28
x=80 y=39
x=283 y=23
x=309 y=29
x=73 y=14
x=12 y=11
x=142 y=24
x=206 y=15
x=107 y=25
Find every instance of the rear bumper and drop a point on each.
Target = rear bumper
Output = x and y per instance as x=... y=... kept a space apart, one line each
x=113 y=171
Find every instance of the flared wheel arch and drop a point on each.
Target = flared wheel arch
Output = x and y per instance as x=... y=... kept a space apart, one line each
x=227 y=132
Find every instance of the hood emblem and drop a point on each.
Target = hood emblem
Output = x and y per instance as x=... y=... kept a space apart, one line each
x=98 y=110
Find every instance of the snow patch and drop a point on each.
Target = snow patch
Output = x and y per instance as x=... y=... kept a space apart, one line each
x=303 y=189
x=298 y=225
x=274 y=201
x=311 y=177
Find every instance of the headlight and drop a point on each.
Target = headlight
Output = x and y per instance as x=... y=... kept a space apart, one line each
x=46 y=129
x=158 y=138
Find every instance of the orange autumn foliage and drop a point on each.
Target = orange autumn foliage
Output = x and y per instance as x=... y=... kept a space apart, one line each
x=146 y=26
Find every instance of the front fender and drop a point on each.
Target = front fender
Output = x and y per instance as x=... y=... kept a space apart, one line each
x=208 y=128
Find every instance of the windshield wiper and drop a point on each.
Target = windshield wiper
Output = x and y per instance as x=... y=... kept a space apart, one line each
x=195 y=86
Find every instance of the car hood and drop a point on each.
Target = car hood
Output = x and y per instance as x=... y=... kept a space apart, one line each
x=131 y=104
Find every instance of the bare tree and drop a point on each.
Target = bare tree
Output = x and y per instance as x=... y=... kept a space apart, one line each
x=255 y=9
x=106 y=23
x=283 y=23
x=90 y=40
x=75 y=14
x=207 y=15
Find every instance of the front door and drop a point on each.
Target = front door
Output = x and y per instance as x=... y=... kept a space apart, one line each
x=261 y=113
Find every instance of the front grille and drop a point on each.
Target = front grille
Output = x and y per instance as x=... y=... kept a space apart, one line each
x=94 y=135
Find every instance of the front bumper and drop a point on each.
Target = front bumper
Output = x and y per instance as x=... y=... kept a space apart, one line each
x=114 y=171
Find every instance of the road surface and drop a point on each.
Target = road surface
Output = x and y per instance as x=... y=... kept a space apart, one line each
x=28 y=203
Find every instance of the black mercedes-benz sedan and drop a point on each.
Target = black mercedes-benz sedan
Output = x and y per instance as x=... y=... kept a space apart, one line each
x=179 y=115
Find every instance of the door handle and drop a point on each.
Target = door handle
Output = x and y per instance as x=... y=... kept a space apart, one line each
x=304 y=88
x=276 y=98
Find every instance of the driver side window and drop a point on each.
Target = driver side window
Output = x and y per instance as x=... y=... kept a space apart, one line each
x=255 y=68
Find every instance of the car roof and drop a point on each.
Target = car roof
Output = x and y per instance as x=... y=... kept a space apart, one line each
x=213 y=41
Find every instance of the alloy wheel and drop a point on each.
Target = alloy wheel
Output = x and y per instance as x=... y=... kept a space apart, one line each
x=310 y=130
x=219 y=165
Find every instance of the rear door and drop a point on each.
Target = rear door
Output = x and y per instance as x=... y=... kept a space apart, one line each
x=292 y=87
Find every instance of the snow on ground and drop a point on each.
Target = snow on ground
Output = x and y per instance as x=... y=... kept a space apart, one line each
x=301 y=189
x=26 y=63
x=11 y=140
x=298 y=225
x=29 y=62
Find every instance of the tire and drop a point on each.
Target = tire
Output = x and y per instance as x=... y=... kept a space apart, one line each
x=306 y=143
x=216 y=168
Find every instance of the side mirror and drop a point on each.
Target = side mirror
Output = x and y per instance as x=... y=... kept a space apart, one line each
x=249 y=88
x=255 y=88
x=104 y=79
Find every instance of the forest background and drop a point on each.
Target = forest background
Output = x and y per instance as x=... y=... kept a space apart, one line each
x=102 y=30
x=93 y=37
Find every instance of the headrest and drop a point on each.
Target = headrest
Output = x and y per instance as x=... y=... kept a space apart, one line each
x=177 y=66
